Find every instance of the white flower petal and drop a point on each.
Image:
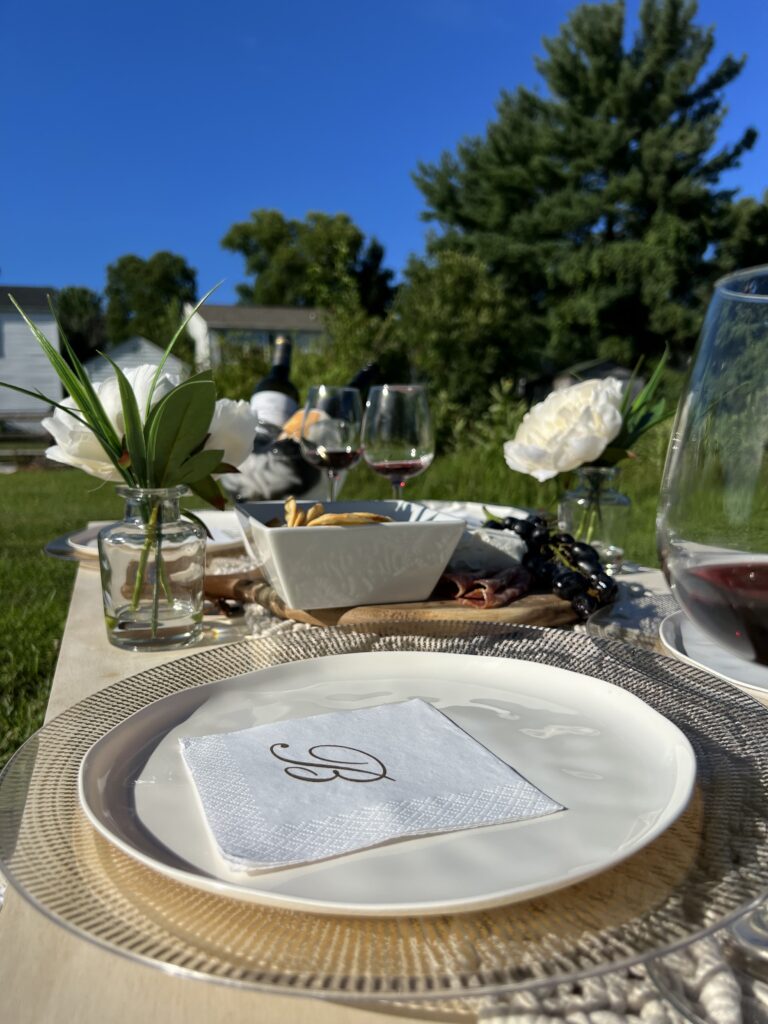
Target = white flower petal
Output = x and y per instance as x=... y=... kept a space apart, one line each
x=232 y=429
x=568 y=429
x=77 y=445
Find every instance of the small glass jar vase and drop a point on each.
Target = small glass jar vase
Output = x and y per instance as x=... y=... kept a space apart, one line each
x=152 y=570
x=595 y=512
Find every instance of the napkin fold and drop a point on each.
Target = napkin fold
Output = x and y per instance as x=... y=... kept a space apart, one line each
x=307 y=789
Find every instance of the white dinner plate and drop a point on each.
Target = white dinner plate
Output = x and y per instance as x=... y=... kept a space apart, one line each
x=222 y=524
x=475 y=513
x=622 y=771
x=683 y=639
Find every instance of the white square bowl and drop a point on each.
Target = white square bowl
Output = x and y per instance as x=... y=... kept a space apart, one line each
x=342 y=566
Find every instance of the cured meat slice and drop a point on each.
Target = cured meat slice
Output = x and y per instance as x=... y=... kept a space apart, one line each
x=496 y=591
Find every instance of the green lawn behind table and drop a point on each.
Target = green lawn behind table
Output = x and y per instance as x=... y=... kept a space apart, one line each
x=38 y=505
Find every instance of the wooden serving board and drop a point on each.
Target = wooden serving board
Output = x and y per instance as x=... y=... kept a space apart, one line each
x=533 y=610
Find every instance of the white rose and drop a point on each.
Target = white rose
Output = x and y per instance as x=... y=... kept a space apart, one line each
x=568 y=429
x=232 y=429
x=77 y=445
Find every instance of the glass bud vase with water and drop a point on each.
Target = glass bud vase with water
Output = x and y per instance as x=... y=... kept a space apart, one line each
x=595 y=512
x=152 y=570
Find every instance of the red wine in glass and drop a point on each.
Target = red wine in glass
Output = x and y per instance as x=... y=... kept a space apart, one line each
x=336 y=459
x=730 y=602
x=397 y=471
x=330 y=431
x=398 y=441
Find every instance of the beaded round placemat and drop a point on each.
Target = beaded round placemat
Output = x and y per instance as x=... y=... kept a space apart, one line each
x=704 y=869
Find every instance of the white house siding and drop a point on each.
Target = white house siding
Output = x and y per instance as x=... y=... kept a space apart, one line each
x=23 y=362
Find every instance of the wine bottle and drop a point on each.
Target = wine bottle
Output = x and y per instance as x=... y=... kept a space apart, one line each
x=275 y=398
x=277 y=467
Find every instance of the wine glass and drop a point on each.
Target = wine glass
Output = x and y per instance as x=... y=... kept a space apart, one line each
x=712 y=523
x=398 y=441
x=330 y=431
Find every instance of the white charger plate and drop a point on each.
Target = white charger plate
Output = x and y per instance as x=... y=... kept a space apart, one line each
x=222 y=524
x=623 y=772
x=685 y=641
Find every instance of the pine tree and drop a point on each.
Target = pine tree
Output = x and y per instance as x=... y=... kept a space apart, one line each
x=599 y=205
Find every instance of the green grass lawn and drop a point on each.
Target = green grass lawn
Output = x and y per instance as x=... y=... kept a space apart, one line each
x=37 y=505
x=40 y=504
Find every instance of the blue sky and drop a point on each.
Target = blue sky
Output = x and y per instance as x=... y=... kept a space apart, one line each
x=134 y=127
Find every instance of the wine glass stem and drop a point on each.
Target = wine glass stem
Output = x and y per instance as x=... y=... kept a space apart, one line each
x=333 y=482
x=397 y=488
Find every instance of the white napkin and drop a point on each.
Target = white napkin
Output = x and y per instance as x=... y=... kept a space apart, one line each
x=306 y=789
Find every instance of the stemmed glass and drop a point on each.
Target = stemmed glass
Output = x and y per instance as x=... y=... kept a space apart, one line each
x=712 y=524
x=398 y=441
x=330 y=431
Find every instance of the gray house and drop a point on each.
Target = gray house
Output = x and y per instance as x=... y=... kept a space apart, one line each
x=22 y=361
x=252 y=325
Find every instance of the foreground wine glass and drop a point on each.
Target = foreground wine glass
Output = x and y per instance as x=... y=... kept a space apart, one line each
x=398 y=441
x=330 y=431
x=713 y=513
x=712 y=525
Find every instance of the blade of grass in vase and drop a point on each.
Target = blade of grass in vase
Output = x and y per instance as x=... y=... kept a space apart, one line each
x=134 y=431
x=77 y=365
x=48 y=401
x=85 y=399
x=649 y=390
x=170 y=345
x=627 y=397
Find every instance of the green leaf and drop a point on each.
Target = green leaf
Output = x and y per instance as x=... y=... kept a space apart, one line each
x=203 y=375
x=170 y=345
x=134 y=432
x=180 y=424
x=196 y=519
x=490 y=516
x=209 y=491
x=199 y=465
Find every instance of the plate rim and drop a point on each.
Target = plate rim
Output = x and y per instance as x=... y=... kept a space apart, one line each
x=671 y=621
x=212 y=546
x=682 y=790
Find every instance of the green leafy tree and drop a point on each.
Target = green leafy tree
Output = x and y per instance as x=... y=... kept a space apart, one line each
x=598 y=206
x=141 y=292
x=746 y=242
x=453 y=321
x=81 y=316
x=307 y=263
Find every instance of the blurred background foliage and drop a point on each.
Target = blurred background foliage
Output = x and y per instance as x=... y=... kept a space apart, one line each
x=589 y=222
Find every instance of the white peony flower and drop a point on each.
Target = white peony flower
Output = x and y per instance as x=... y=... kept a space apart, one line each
x=232 y=429
x=570 y=428
x=76 y=445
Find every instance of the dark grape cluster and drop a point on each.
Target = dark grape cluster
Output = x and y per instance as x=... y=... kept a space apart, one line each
x=560 y=564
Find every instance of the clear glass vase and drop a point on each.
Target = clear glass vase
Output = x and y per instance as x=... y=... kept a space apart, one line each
x=595 y=512
x=152 y=570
